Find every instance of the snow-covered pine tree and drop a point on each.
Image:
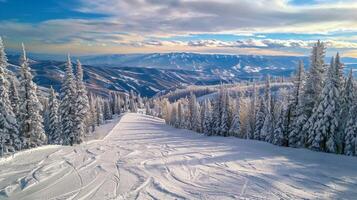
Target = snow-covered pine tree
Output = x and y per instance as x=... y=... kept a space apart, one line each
x=217 y=112
x=126 y=103
x=180 y=115
x=9 y=133
x=280 y=131
x=173 y=121
x=14 y=96
x=346 y=101
x=99 y=111
x=339 y=69
x=323 y=135
x=116 y=104
x=140 y=101
x=202 y=115
x=133 y=106
x=107 y=111
x=266 y=133
x=312 y=90
x=235 y=126
x=252 y=113
x=207 y=118
x=81 y=106
x=349 y=122
x=148 y=109
x=92 y=120
x=296 y=106
x=194 y=115
x=30 y=118
x=67 y=105
x=54 y=128
x=259 y=121
x=225 y=120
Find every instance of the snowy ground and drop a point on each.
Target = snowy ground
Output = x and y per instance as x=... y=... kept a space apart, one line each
x=142 y=158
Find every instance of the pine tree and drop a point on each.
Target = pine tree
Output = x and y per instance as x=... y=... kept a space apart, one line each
x=266 y=133
x=280 y=132
x=116 y=104
x=148 y=109
x=107 y=111
x=296 y=106
x=9 y=133
x=14 y=96
x=67 y=105
x=133 y=107
x=217 y=112
x=31 y=121
x=252 y=114
x=173 y=121
x=312 y=90
x=259 y=122
x=92 y=120
x=81 y=107
x=207 y=118
x=194 y=115
x=235 y=127
x=225 y=122
x=99 y=111
x=180 y=116
x=349 y=122
x=54 y=132
x=324 y=129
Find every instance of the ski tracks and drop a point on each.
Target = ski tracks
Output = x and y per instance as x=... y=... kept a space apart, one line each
x=142 y=158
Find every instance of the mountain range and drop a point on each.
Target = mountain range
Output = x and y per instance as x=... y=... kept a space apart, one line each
x=148 y=74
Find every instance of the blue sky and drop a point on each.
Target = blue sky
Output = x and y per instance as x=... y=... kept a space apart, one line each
x=268 y=27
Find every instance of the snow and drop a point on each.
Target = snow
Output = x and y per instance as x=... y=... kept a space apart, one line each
x=142 y=158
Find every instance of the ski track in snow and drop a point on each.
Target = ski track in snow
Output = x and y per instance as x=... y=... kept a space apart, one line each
x=142 y=158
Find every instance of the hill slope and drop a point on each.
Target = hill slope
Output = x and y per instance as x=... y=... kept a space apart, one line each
x=142 y=158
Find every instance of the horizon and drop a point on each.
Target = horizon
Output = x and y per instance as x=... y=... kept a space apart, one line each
x=97 y=27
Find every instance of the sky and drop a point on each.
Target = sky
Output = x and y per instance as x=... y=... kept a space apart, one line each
x=262 y=27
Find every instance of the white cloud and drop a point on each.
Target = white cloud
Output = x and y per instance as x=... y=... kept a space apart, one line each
x=134 y=23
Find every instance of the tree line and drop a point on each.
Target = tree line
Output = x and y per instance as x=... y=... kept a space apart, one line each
x=318 y=112
x=30 y=118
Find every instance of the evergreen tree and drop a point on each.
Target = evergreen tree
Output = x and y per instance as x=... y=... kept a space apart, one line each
x=252 y=114
x=235 y=127
x=194 y=115
x=225 y=122
x=54 y=132
x=173 y=121
x=99 y=111
x=323 y=135
x=133 y=107
x=92 y=120
x=259 y=122
x=67 y=105
x=148 y=109
x=312 y=90
x=181 y=115
x=266 y=133
x=280 y=132
x=9 y=133
x=207 y=118
x=296 y=106
x=107 y=111
x=349 y=122
x=81 y=107
x=31 y=121
x=217 y=112
x=14 y=96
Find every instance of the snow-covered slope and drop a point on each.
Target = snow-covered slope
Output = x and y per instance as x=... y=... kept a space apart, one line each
x=142 y=158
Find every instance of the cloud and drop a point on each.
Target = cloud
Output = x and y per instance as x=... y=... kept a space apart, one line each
x=145 y=24
x=177 y=16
